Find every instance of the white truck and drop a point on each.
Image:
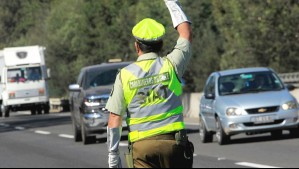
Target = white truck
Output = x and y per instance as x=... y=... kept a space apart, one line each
x=23 y=80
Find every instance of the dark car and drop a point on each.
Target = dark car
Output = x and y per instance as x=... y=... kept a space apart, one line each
x=88 y=99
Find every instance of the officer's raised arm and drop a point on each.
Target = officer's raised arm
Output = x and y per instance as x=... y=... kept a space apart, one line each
x=179 y=19
x=182 y=52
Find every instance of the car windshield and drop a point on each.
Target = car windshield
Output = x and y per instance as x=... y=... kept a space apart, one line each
x=100 y=78
x=249 y=83
x=23 y=75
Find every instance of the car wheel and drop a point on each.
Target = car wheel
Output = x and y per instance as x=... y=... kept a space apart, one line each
x=33 y=111
x=276 y=134
x=7 y=112
x=222 y=137
x=205 y=136
x=77 y=133
x=47 y=109
x=85 y=138
x=39 y=110
x=294 y=132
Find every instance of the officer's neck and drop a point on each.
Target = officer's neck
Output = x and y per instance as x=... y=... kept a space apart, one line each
x=139 y=53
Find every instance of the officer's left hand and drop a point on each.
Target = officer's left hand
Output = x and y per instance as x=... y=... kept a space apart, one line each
x=114 y=160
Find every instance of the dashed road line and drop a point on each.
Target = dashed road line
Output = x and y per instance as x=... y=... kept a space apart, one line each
x=253 y=165
x=123 y=144
x=20 y=128
x=4 y=125
x=66 y=136
x=221 y=158
x=191 y=124
x=42 y=132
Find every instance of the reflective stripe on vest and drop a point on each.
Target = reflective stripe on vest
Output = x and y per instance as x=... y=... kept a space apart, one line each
x=152 y=93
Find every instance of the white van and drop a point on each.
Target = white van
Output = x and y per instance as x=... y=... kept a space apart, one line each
x=24 y=80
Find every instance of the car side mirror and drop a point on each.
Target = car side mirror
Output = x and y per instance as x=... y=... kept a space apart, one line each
x=48 y=73
x=210 y=96
x=75 y=88
x=290 y=87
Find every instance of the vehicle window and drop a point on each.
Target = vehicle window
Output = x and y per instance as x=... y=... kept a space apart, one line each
x=210 y=87
x=23 y=75
x=96 y=79
x=249 y=82
x=80 y=78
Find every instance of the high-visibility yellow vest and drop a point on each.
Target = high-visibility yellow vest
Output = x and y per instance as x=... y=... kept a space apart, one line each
x=152 y=93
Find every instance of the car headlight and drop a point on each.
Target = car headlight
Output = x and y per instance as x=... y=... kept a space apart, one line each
x=95 y=102
x=290 y=105
x=91 y=103
x=234 y=112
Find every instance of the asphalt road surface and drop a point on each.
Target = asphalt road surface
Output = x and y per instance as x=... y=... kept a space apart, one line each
x=46 y=141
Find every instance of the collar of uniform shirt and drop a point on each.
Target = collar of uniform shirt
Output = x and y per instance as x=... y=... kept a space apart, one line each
x=148 y=56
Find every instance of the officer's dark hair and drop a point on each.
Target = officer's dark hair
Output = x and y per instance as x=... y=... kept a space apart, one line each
x=147 y=47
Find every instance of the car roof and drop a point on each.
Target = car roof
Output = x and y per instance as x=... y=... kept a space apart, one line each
x=104 y=66
x=243 y=70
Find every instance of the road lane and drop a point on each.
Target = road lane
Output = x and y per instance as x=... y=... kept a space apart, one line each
x=22 y=146
x=259 y=149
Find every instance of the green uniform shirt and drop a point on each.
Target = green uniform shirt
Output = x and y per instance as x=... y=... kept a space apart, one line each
x=179 y=57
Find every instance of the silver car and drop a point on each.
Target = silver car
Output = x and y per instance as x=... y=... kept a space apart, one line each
x=88 y=99
x=251 y=101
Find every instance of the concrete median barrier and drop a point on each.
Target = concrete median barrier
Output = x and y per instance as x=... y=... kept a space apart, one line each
x=191 y=104
x=59 y=105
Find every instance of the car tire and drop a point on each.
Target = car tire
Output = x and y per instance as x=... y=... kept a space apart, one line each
x=46 y=109
x=6 y=112
x=33 y=111
x=276 y=134
x=204 y=135
x=39 y=110
x=77 y=133
x=85 y=138
x=221 y=136
x=1 y=114
x=294 y=132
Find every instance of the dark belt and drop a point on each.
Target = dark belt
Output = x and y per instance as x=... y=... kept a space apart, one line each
x=168 y=136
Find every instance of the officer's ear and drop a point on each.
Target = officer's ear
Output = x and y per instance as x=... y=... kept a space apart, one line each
x=138 y=49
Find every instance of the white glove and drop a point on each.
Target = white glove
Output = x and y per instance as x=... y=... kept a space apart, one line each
x=177 y=14
x=113 y=139
x=114 y=160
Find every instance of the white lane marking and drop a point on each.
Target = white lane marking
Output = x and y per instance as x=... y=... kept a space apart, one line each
x=66 y=136
x=4 y=125
x=19 y=128
x=192 y=124
x=42 y=132
x=24 y=112
x=253 y=165
x=123 y=144
x=221 y=158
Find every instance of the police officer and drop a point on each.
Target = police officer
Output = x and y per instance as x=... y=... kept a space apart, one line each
x=149 y=91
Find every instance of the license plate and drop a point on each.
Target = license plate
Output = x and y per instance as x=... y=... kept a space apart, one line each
x=27 y=100
x=262 y=119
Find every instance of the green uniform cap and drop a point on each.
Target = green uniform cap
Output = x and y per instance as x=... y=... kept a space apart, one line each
x=148 y=30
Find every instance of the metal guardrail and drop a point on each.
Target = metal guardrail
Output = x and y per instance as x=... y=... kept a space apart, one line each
x=290 y=78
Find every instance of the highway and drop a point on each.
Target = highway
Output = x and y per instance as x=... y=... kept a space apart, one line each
x=46 y=141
